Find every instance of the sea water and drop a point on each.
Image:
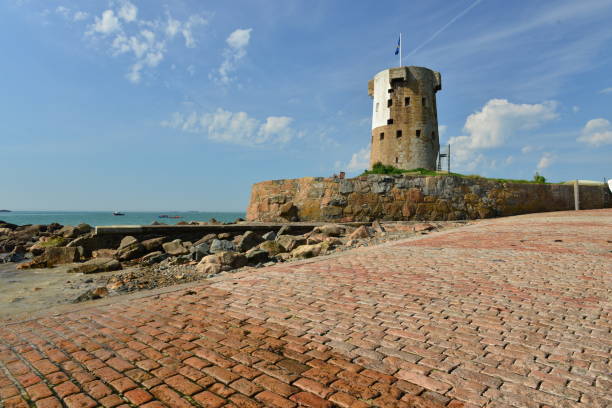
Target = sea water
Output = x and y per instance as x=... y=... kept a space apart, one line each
x=97 y=218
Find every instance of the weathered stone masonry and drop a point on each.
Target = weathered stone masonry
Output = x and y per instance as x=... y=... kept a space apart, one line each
x=405 y=197
x=404 y=117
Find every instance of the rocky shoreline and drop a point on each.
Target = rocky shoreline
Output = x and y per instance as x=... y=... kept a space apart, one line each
x=157 y=262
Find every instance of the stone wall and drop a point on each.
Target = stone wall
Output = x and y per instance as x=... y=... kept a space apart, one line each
x=404 y=118
x=405 y=197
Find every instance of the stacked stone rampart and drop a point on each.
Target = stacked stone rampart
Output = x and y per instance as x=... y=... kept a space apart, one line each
x=407 y=197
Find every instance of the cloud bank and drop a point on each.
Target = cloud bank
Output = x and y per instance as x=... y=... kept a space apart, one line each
x=235 y=127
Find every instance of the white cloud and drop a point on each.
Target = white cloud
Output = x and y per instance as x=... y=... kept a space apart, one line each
x=235 y=127
x=494 y=124
x=527 y=149
x=509 y=160
x=442 y=130
x=146 y=41
x=606 y=90
x=596 y=132
x=237 y=43
x=107 y=24
x=128 y=11
x=545 y=161
x=360 y=160
x=80 y=16
x=575 y=109
x=63 y=11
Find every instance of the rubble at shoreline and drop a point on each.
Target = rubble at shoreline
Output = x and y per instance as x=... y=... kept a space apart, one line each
x=163 y=261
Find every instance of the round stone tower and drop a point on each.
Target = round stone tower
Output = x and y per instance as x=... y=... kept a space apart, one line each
x=405 y=118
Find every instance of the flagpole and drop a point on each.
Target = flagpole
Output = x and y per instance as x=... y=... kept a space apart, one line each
x=400 y=49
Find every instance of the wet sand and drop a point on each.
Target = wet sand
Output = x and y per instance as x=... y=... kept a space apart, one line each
x=30 y=290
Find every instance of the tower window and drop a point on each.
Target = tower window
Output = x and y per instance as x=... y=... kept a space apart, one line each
x=398 y=133
x=424 y=101
x=418 y=133
x=389 y=103
x=396 y=160
x=407 y=101
x=382 y=136
x=390 y=90
x=377 y=106
x=389 y=121
x=433 y=135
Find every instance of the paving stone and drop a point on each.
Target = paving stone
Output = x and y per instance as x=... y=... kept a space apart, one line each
x=499 y=314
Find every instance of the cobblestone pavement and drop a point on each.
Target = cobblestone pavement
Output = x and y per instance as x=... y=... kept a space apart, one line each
x=511 y=312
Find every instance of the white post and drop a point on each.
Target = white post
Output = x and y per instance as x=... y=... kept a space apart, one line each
x=400 y=49
x=576 y=198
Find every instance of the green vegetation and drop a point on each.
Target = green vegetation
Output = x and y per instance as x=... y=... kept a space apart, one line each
x=54 y=242
x=380 y=168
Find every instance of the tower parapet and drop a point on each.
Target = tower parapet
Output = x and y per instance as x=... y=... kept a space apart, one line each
x=405 y=118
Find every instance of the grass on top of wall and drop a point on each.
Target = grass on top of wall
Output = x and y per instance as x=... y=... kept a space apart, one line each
x=380 y=168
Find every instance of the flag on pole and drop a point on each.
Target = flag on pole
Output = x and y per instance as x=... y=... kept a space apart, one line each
x=397 y=50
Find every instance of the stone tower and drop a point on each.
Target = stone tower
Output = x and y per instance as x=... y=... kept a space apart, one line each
x=404 y=117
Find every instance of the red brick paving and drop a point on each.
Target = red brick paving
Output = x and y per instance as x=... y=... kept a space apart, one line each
x=511 y=312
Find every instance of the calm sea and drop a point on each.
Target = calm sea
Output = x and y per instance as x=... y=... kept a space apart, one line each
x=95 y=218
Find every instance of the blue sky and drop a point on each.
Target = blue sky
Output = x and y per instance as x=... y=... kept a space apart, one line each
x=183 y=105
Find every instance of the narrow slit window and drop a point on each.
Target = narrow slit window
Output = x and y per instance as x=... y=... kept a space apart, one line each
x=407 y=101
x=433 y=135
x=418 y=133
x=389 y=103
x=424 y=101
x=398 y=133
x=389 y=121
x=382 y=136
x=377 y=106
x=396 y=160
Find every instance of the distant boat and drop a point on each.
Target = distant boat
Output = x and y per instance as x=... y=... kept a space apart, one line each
x=175 y=216
x=5 y=210
x=164 y=216
x=118 y=213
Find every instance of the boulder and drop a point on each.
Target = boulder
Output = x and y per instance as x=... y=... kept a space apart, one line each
x=271 y=247
x=269 y=236
x=96 y=265
x=255 y=256
x=175 y=248
x=290 y=242
x=153 y=244
x=308 y=251
x=225 y=235
x=127 y=241
x=5 y=231
x=316 y=238
x=282 y=230
x=129 y=248
x=248 y=240
x=69 y=232
x=331 y=230
x=84 y=228
x=206 y=239
x=200 y=251
x=154 y=257
x=208 y=268
x=333 y=242
x=361 y=232
x=221 y=245
x=53 y=256
x=104 y=253
x=47 y=242
x=227 y=259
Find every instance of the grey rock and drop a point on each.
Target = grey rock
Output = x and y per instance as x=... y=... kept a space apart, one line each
x=269 y=236
x=154 y=257
x=249 y=240
x=200 y=251
x=221 y=245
